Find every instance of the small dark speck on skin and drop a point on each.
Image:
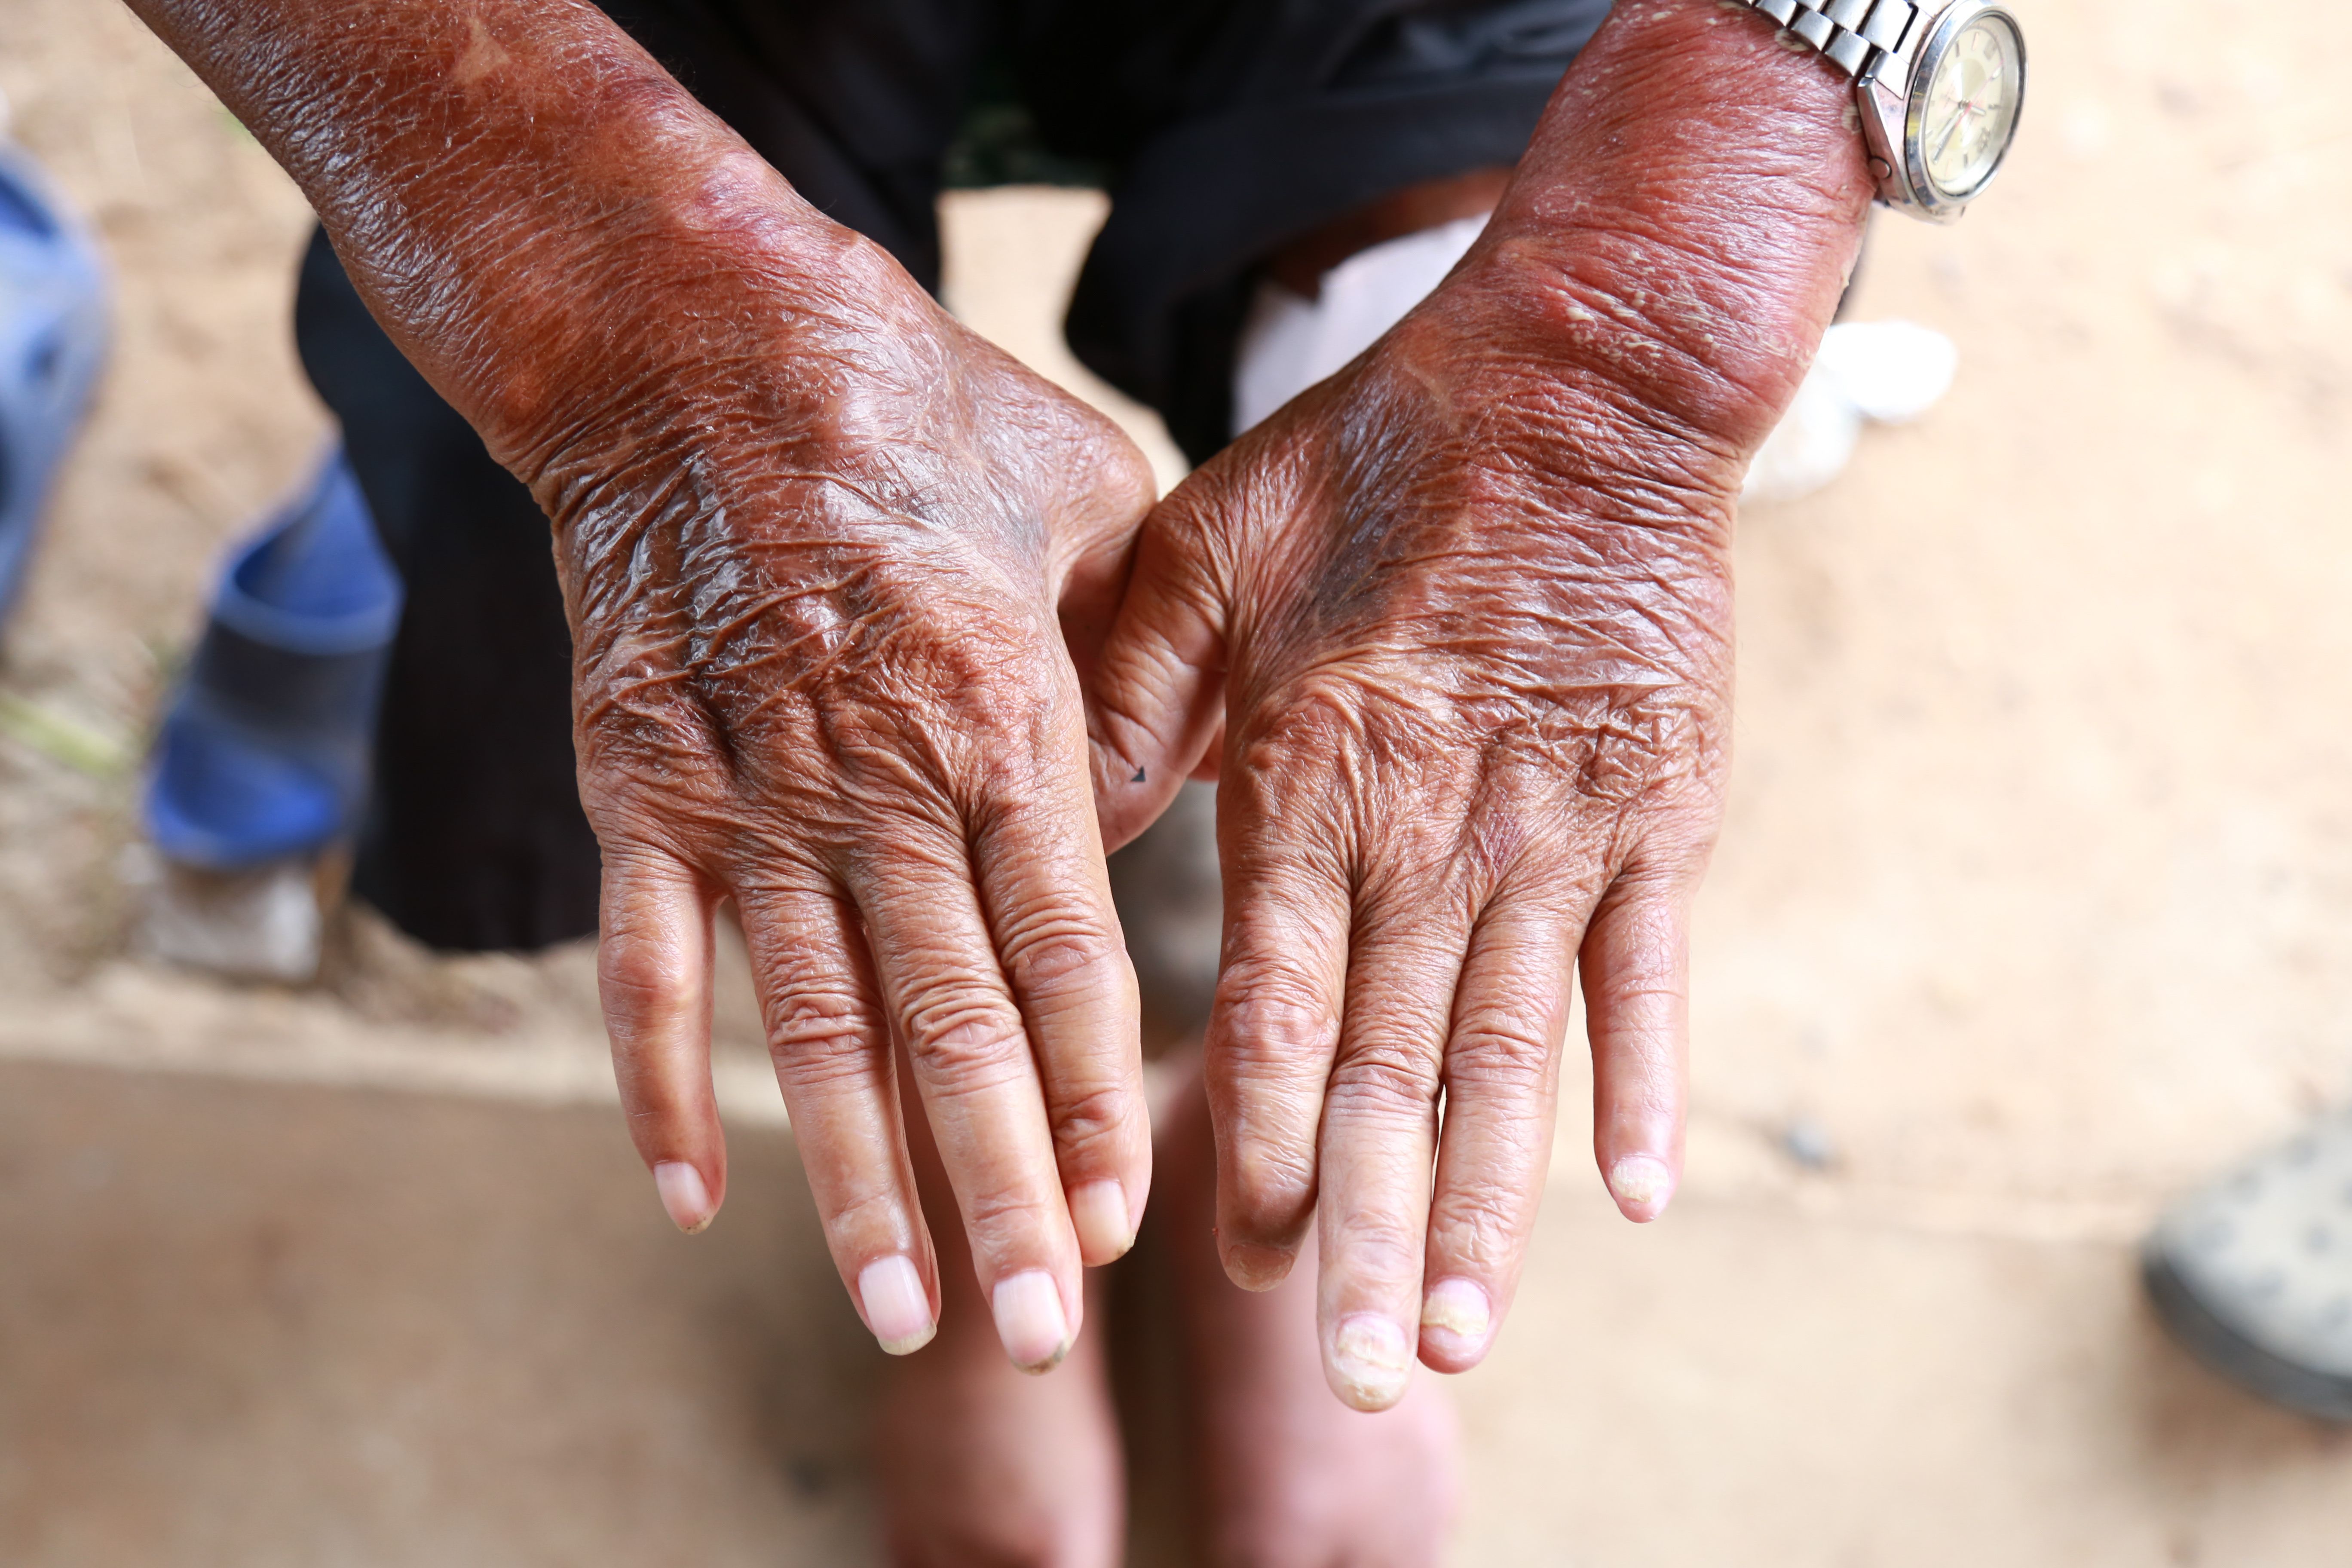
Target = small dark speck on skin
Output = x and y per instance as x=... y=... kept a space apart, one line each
x=808 y=1477
x=1138 y=778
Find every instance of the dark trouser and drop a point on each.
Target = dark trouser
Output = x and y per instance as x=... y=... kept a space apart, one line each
x=1222 y=128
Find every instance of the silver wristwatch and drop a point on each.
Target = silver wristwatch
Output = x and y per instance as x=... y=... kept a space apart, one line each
x=1938 y=85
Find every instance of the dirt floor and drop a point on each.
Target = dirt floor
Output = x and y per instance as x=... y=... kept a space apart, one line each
x=2035 y=904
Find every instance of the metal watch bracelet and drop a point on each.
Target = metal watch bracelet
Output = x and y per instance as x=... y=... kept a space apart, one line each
x=1855 y=34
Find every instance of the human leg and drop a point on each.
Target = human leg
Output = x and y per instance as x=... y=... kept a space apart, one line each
x=1287 y=1475
x=981 y=1465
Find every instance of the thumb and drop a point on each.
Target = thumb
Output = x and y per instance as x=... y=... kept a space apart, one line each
x=1156 y=696
x=1106 y=489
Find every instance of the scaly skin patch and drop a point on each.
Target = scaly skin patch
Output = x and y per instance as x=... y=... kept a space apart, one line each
x=819 y=546
x=1462 y=617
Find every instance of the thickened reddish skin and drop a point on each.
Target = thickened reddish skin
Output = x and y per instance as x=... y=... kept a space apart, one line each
x=1462 y=616
x=820 y=546
x=1465 y=608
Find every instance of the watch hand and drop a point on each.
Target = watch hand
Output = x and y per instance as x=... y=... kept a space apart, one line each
x=1950 y=131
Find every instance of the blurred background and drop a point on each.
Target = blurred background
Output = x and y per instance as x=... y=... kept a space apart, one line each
x=2034 y=909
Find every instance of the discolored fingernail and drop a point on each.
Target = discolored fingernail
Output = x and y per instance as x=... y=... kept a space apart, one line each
x=1256 y=1268
x=897 y=1309
x=1030 y=1322
x=1643 y=1185
x=683 y=1194
x=1098 y=1211
x=1456 y=1317
x=1369 y=1361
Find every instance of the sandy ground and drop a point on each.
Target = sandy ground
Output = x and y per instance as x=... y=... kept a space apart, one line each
x=2035 y=902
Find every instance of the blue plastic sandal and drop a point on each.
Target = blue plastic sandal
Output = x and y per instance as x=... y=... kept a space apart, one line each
x=52 y=344
x=263 y=755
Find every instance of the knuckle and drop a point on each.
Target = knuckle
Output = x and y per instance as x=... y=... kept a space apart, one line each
x=1387 y=1081
x=1321 y=716
x=988 y=668
x=1507 y=1052
x=1092 y=1116
x=632 y=720
x=1056 y=947
x=966 y=1037
x=1272 y=1011
x=859 y=1220
x=1003 y=1212
x=639 y=972
x=822 y=1035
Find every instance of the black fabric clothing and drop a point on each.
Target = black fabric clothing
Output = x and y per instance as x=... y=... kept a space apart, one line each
x=1222 y=128
x=474 y=837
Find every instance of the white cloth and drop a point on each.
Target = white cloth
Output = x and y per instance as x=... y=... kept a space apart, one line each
x=1885 y=372
x=1288 y=343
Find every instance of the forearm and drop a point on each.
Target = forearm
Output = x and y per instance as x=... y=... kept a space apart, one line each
x=1681 y=228
x=544 y=220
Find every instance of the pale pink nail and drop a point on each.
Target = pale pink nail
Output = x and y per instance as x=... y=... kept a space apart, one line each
x=897 y=1310
x=1643 y=1185
x=1029 y=1320
x=683 y=1194
x=1098 y=1213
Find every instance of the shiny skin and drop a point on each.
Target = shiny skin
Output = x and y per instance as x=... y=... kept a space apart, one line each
x=1461 y=617
x=825 y=555
x=1454 y=630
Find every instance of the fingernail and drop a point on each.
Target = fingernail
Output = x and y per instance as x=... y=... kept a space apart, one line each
x=683 y=1194
x=1369 y=1361
x=1641 y=1185
x=1456 y=1314
x=1256 y=1268
x=1098 y=1210
x=1029 y=1320
x=896 y=1310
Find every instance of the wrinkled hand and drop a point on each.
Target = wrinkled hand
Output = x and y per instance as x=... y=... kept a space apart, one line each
x=821 y=671
x=1463 y=613
x=823 y=551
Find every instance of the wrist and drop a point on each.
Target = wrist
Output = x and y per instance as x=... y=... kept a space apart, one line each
x=693 y=319
x=1683 y=224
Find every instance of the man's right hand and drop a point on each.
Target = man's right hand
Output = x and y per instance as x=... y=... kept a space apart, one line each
x=822 y=550
x=820 y=670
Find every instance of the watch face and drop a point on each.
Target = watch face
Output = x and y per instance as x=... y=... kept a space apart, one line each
x=1970 y=110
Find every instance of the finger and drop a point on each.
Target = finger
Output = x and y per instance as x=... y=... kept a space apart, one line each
x=831 y=1045
x=1093 y=534
x=1275 y=1027
x=1213 y=755
x=1380 y=1138
x=1157 y=688
x=1635 y=965
x=937 y=963
x=653 y=974
x=1039 y=867
x=1502 y=1089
